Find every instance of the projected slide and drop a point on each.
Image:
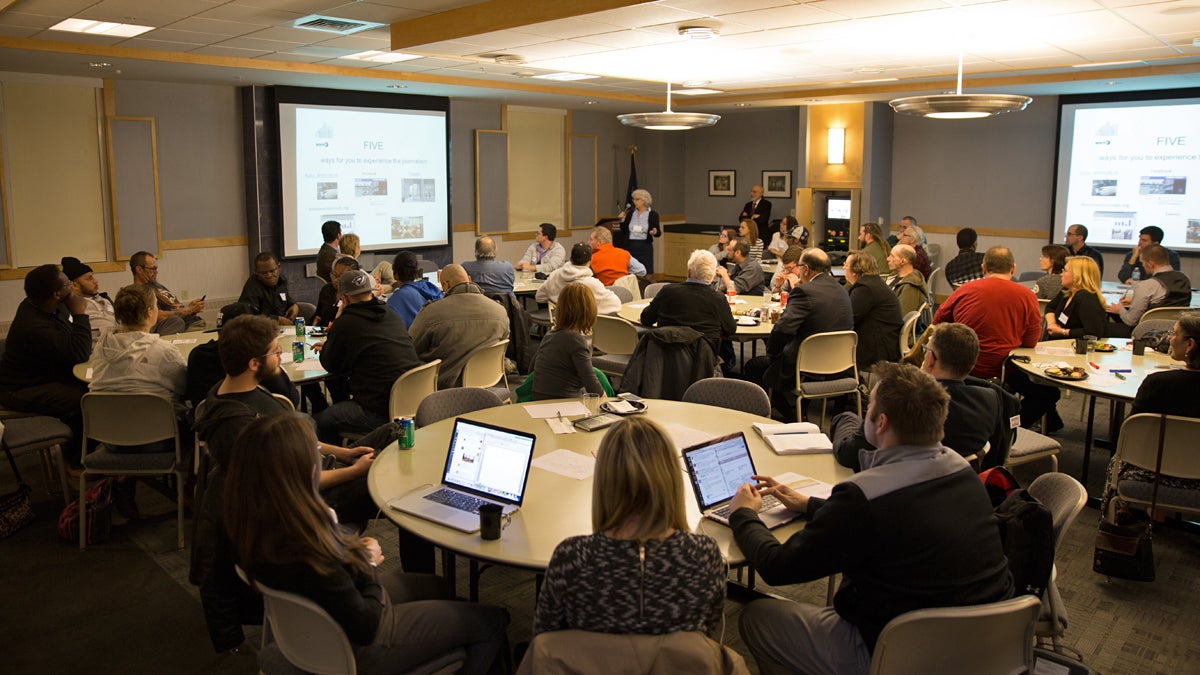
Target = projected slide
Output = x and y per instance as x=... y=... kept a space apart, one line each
x=1124 y=166
x=381 y=173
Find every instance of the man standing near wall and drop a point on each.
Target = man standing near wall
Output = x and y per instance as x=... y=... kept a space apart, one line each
x=331 y=232
x=757 y=209
x=173 y=315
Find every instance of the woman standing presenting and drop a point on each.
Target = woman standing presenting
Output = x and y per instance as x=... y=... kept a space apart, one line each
x=640 y=225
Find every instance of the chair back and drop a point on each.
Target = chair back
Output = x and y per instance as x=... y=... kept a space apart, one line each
x=427 y=266
x=1138 y=444
x=992 y=639
x=485 y=365
x=287 y=402
x=587 y=653
x=552 y=308
x=653 y=289
x=119 y=418
x=623 y=294
x=1143 y=327
x=729 y=393
x=454 y=402
x=1063 y=495
x=411 y=388
x=827 y=353
x=1171 y=314
x=614 y=335
x=630 y=283
x=306 y=635
x=1030 y=276
x=931 y=285
x=908 y=331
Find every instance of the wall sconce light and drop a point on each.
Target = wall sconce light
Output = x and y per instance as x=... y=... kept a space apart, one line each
x=837 y=146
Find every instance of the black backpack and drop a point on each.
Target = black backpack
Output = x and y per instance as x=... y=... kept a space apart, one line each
x=1027 y=533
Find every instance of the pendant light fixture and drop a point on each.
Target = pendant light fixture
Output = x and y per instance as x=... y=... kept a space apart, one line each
x=669 y=120
x=959 y=106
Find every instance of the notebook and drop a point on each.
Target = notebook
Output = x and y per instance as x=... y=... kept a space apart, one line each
x=484 y=464
x=716 y=468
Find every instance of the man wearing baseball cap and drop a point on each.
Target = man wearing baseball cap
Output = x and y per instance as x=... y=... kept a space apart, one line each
x=99 y=306
x=368 y=344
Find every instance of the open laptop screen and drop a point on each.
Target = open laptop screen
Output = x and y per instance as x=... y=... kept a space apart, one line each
x=489 y=460
x=717 y=467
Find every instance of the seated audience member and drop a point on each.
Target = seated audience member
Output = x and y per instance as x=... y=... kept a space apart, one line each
x=331 y=234
x=563 y=363
x=968 y=264
x=1132 y=267
x=747 y=274
x=413 y=290
x=877 y=317
x=1161 y=286
x=385 y=276
x=204 y=369
x=1052 y=262
x=748 y=232
x=798 y=235
x=865 y=532
x=284 y=535
x=693 y=303
x=350 y=245
x=871 y=242
x=788 y=274
x=975 y=416
x=491 y=275
x=578 y=271
x=610 y=263
x=1003 y=313
x=267 y=292
x=718 y=249
x=545 y=254
x=327 y=299
x=641 y=540
x=368 y=344
x=173 y=315
x=1078 y=310
x=1077 y=245
x=1167 y=392
x=915 y=237
x=907 y=283
x=49 y=334
x=779 y=243
x=451 y=328
x=99 y=306
x=250 y=354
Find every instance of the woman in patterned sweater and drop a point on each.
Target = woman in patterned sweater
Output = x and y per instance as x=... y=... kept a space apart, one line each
x=642 y=572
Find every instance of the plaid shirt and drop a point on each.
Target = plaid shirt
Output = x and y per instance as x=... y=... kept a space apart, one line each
x=966 y=266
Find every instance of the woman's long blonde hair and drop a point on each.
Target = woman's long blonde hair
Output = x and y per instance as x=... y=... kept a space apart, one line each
x=1087 y=276
x=638 y=482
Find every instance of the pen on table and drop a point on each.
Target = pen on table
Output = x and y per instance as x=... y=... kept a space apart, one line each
x=1120 y=370
x=1093 y=364
x=1119 y=375
x=560 y=418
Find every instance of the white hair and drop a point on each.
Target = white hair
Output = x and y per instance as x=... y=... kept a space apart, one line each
x=643 y=195
x=702 y=265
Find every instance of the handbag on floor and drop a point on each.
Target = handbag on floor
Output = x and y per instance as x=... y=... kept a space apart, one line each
x=1126 y=551
x=16 y=509
x=98 y=501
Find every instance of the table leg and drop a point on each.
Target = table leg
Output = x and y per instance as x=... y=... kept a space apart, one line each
x=449 y=571
x=1087 y=442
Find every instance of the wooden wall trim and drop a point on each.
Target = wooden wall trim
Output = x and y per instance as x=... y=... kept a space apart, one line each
x=13 y=274
x=464 y=227
x=210 y=242
x=984 y=231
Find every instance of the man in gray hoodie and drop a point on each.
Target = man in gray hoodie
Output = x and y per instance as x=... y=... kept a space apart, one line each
x=579 y=270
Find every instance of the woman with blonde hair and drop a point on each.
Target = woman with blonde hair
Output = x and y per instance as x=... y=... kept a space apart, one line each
x=748 y=231
x=563 y=362
x=287 y=538
x=641 y=571
x=350 y=245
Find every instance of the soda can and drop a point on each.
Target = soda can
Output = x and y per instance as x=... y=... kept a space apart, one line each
x=408 y=433
x=783 y=296
x=299 y=326
x=297 y=351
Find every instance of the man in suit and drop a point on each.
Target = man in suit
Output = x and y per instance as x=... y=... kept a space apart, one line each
x=757 y=209
x=818 y=304
x=331 y=233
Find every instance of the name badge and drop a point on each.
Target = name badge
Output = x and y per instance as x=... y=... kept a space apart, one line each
x=283 y=297
x=1062 y=319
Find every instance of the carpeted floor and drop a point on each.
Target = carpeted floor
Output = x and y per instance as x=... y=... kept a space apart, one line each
x=125 y=606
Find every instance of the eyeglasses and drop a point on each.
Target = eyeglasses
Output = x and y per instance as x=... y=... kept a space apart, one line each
x=277 y=352
x=149 y=269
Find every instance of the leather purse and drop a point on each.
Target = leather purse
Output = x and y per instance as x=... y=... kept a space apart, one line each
x=16 y=509
x=1126 y=551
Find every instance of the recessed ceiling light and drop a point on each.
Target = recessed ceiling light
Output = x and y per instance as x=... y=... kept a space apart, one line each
x=878 y=79
x=566 y=77
x=698 y=32
x=100 y=27
x=590 y=102
x=397 y=86
x=100 y=64
x=697 y=91
x=380 y=57
x=869 y=70
x=1112 y=83
x=509 y=59
x=1102 y=64
x=741 y=105
x=694 y=84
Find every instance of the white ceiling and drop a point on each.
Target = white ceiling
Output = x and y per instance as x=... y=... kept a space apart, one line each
x=770 y=52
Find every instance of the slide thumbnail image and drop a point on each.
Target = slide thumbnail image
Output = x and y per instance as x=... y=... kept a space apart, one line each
x=418 y=189
x=327 y=190
x=1120 y=223
x=1104 y=188
x=409 y=227
x=346 y=220
x=1193 y=231
x=1163 y=185
x=370 y=187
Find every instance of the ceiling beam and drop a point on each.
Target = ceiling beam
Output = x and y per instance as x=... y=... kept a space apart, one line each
x=493 y=15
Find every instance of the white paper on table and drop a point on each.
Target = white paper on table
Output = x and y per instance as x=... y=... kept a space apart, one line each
x=638 y=305
x=560 y=426
x=1054 y=351
x=799 y=444
x=566 y=409
x=184 y=341
x=1103 y=381
x=737 y=301
x=567 y=463
x=810 y=487
x=685 y=437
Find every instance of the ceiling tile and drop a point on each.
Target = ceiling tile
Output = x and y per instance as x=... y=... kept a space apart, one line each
x=23 y=20
x=294 y=57
x=252 y=43
x=715 y=8
x=861 y=9
x=626 y=39
x=213 y=26
x=357 y=42
x=252 y=15
x=297 y=36
x=449 y=48
x=17 y=31
x=429 y=6
x=784 y=17
x=320 y=52
x=367 y=11
x=218 y=50
x=643 y=15
x=161 y=45
x=302 y=6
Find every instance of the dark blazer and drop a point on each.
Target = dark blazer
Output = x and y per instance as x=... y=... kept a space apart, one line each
x=877 y=321
x=763 y=213
x=695 y=305
x=1084 y=316
x=819 y=306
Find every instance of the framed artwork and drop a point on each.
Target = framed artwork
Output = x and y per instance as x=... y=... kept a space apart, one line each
x=722 y=183
x=777 y=184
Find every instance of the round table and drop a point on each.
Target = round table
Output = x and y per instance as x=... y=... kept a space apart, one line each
x=557 y=507
x=632 y=311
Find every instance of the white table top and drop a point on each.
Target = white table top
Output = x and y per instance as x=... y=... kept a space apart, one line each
x=557 y=507
x=1100 y=382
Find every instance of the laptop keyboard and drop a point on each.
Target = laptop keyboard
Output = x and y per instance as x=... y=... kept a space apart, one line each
x=769 y=502
x=458 y=500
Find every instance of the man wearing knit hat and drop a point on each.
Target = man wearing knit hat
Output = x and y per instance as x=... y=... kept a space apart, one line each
x=87 y=286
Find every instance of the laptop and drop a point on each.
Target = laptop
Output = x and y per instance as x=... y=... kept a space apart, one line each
x=485 y=464
x=717 y=467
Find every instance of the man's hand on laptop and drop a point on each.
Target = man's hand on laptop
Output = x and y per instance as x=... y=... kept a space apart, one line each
x=785 y=494
x=746 y=497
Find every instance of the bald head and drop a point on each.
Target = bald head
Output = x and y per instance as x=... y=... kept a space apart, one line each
x=485 y=248
x=453 y=275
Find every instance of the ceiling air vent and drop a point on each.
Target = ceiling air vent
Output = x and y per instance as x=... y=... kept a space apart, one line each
x=330 y=24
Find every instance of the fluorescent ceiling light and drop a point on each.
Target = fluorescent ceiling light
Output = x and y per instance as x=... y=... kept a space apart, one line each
x=381 y=57
x=565 y=77
x=668 y=120
x=697 y=91
x=959 y=106
x=100 y=28
x=1108 y=63
x=878 y=79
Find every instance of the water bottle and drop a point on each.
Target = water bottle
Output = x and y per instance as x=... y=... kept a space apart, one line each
x=1136 y=276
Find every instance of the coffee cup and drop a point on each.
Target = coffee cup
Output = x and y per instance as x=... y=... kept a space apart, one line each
x=491 y=521
x=1081 y=345
x=1139 y=347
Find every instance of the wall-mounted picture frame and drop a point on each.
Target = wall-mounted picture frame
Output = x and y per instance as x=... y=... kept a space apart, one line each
x=722 y=183
x=777 y=183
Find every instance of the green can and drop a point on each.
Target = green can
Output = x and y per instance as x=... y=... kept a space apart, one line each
x=297 y=352
x=408 y=433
